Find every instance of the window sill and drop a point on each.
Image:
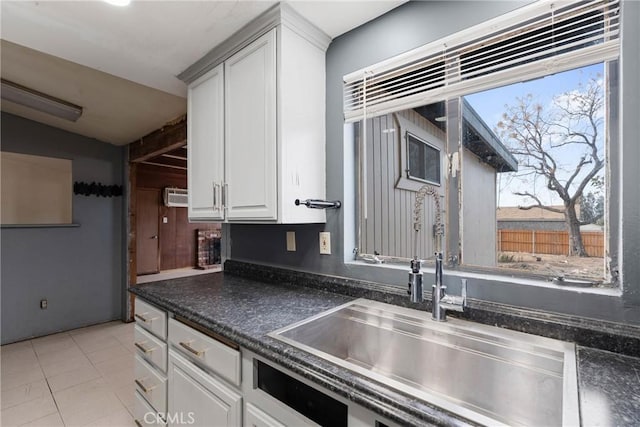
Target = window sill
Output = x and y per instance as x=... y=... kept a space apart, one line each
x=495 y=278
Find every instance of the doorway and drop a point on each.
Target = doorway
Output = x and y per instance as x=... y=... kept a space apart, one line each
x=162 y=244
x=147 y=231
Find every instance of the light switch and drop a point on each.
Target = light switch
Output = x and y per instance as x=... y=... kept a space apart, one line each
x=165 y=220
x=325 y=243
x=291 y=241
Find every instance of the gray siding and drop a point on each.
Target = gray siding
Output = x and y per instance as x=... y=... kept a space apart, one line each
x=79 y=270
x=388 y=227
x=478 y=212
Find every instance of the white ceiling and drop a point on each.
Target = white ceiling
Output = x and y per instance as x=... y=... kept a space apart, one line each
x=79 y=50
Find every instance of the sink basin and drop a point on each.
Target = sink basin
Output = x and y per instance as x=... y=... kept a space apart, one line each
x=486 y=374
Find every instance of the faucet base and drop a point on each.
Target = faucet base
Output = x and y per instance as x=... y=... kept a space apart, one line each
x=440 y=317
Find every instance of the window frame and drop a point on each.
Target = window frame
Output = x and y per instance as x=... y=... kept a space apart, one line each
x=613 y=146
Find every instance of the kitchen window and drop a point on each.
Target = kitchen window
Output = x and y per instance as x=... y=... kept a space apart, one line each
x=433 y=87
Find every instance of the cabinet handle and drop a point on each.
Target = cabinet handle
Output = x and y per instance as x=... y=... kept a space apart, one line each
x=222 y=196
x=143 y=387
x=137 y=423
x=187 y=347
x=142 y=348
x=215 y=195
x=144 y=319
x=225 y=190
x=220 y=201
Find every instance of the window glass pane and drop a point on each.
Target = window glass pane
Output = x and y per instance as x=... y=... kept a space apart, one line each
x=548 y=160
x=399 y=154
x=424 y=160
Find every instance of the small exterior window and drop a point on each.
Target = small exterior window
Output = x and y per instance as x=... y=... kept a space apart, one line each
x=423 y=160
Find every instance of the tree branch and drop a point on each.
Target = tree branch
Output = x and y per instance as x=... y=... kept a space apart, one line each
x=539 y=205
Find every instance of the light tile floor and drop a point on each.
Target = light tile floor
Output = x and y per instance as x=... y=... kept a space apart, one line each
x=82 y=377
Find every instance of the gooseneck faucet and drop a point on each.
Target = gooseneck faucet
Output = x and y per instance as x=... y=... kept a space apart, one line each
x=440 y=301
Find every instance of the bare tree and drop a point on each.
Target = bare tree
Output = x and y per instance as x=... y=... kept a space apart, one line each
x=560 y=144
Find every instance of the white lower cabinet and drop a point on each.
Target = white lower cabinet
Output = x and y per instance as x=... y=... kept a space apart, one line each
x=145 y=414
x=199 y=399
x=151 y=384
x=150 y=364
x=256 y=417
x=192 y=376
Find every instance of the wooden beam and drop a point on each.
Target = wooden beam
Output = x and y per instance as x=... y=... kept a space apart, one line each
x=163 y=140
x=131 y=244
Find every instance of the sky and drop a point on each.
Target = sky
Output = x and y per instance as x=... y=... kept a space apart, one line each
x=491 y=105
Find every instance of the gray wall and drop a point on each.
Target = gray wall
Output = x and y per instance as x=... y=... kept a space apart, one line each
x=411 y=25
x=79 y=270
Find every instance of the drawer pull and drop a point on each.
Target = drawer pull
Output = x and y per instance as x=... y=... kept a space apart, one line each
x=145 y=319
x=143 y=387
x=142 y=348
x=137 y=423
x=186 y=346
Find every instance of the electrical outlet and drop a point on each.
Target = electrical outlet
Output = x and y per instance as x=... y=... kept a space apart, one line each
x=291 y=241
x=325 y=243
x=43 y=304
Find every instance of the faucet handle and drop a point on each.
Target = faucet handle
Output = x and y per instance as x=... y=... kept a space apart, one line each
x=456 y=302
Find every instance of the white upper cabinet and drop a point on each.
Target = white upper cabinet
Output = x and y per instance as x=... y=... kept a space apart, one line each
x=256 y=123
x=250 y=131
x=205 y=149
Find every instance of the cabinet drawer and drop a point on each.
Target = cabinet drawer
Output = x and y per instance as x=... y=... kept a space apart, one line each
x=144 y=414
x=206 y=351
x=150 y=348
x=255 y=417
x=151 y=318
x=151 y=385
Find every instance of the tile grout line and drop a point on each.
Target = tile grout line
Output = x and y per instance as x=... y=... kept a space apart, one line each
x=46 y=379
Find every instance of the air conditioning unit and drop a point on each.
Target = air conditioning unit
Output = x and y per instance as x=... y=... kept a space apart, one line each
x=176 y=197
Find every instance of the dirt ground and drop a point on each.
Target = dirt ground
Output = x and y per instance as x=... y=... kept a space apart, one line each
x=590 y=268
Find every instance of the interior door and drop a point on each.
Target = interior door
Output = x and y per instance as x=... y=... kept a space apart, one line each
x=147 y=232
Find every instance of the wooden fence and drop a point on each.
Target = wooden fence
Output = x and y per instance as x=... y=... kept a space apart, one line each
x=548 y=242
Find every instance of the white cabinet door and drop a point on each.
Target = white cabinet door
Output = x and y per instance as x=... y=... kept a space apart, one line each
x=255 y=417
x=205 y=148
x=199 y=399
x=250 y=129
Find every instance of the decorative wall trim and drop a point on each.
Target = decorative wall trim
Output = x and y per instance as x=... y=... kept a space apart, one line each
x=96 y=189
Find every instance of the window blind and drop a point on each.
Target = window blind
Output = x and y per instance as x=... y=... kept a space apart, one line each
x=536 y=40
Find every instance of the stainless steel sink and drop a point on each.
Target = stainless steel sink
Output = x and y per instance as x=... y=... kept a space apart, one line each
x=488 y=375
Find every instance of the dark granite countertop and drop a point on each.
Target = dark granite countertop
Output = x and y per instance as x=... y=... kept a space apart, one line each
x=245 y=310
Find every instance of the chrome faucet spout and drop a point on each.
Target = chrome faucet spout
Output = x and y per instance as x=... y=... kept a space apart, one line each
x=440 y=301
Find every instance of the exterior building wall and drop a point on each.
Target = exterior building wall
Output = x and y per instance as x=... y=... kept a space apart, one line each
x=388 y=226
x=478 y=212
